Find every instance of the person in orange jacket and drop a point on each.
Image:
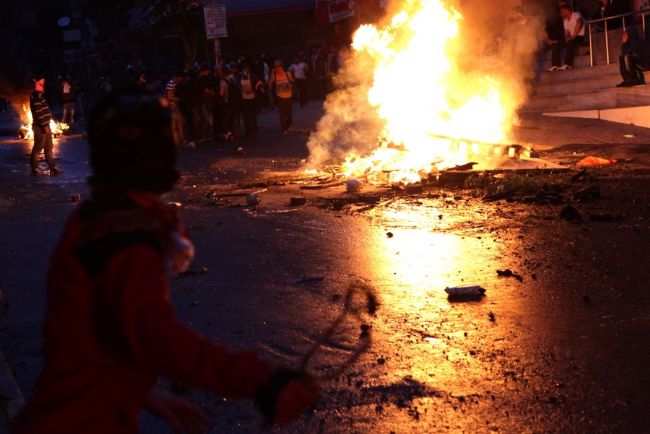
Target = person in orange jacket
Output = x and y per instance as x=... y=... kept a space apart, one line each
x=110 y=332
x=282 y=82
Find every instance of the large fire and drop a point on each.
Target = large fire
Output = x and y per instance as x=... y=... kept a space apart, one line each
x=436 y=110
x=26 y=120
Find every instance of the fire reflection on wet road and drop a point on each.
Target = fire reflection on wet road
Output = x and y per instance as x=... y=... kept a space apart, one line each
x=434 y=356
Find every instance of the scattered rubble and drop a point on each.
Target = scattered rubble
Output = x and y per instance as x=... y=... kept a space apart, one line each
x=509 y=273
x=582 y=175
x=252 y=200
x=586 y=194
x=571 y=214
x=297 y=201
x=464 y=292
x=353 y=185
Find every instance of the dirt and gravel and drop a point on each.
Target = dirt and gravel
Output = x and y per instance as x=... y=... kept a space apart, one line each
x=562 y=348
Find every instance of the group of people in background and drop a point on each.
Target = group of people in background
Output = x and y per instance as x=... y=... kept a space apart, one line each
x=224 y=101
x=570 y=34
x=206 y=104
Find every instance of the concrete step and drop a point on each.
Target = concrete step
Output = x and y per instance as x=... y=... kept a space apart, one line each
x=587 y=84
x=638 y=115
x=578 y=61
x=600 y=99
x=577 y=73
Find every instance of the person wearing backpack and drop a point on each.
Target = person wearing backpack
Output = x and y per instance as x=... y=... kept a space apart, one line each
x=282 y=82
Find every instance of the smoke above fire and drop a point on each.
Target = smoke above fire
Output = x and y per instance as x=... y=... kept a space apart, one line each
x=433 y=70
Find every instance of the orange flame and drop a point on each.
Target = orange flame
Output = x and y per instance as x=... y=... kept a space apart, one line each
x=435 y=113
x=27 y=120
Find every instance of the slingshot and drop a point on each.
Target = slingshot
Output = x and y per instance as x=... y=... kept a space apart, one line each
x=360 y=303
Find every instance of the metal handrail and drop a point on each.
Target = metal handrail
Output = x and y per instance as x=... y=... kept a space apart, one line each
x=605 y=20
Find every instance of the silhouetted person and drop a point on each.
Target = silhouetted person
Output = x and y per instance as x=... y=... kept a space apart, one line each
x=634 y=58
x=41 y=117
x=110 y=331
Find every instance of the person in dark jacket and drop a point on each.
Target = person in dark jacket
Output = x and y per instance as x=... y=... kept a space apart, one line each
x=110 y=331
x=634 y=58
x=41 y=117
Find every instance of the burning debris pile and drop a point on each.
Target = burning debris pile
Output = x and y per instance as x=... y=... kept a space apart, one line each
x=417 y=98
x=25 y=132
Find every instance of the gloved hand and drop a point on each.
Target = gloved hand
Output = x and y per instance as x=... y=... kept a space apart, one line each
x=285 y=396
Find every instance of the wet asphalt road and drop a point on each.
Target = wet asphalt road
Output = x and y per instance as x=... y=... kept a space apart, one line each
x=565 y=350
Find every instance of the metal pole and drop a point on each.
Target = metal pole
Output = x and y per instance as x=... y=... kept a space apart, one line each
x=606 y=42
x=591 y=47
x=217 y=50
x=643 y=24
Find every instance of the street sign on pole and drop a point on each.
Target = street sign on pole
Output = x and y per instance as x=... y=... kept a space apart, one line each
x=215 y=21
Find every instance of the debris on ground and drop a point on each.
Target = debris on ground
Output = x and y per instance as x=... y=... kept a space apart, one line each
x=588 y=193
x=338 y=203
x=323 y=186
x=509 y=273
x=594 y=161
x=499 y=195
x=353 y=185
x=389 y=235
x=571 y=214
x=454 y=178
x=517 y=187
x=414 y=188
x=545 y=197
x=461 y=167
x=297 y=201
x=492 y=317
x=252 y=199
x=465 y=292
x=220 y=198
x=582 y=175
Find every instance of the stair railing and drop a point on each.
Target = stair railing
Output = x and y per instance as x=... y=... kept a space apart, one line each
x=605 y=21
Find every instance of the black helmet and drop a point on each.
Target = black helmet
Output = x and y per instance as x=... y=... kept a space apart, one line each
x=131 y=142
